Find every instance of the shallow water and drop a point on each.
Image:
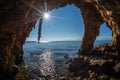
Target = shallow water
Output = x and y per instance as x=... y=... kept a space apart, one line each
x=46 y=60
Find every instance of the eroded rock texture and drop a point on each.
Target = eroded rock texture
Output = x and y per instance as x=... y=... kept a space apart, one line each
x=14 y=28
x=17 y=18
x=89 y=68
x=110 y=11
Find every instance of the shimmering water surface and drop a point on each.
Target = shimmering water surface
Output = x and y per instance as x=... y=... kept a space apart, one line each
x=46 y=60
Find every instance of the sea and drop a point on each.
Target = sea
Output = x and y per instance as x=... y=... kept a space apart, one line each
x=45 y=60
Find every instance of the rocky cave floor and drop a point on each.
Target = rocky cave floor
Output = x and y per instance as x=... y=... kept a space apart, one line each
x=102 y=63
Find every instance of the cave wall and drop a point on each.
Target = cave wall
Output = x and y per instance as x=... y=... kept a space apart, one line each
x=13 y=33
x=110 y=11
x=92 y=21
x=17 y=19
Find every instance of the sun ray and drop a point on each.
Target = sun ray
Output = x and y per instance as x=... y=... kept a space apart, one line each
x=45 y=3
x=44 y=15
x=38 y=10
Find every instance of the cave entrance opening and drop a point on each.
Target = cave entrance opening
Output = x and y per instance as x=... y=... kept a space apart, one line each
x=61 y=36
x=105 y=35
x=66 y=25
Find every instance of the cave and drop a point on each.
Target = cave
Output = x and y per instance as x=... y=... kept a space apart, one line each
x=59 y=27
x=105 y=38
x=19 y=17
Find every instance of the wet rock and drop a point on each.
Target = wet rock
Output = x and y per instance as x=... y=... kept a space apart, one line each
x=93 y=69
x=103 y=77
x=102 y=66
x=117 y=68
x=35 y=54
x=105 y=51
x=75 y=64
x=23 y=74
x=63 y=78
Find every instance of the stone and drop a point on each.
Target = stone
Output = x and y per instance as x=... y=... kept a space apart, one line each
x=94 y=69
x=117 y=68
x=103 y=77
x=105 y=51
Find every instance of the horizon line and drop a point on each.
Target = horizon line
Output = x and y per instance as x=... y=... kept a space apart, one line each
x=68 y=40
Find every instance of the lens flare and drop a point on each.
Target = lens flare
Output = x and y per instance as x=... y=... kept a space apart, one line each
x=46 y=15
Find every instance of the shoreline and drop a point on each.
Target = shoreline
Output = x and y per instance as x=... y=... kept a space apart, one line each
x=88 y=67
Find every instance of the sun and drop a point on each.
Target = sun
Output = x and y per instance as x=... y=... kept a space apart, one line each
x=46 y=15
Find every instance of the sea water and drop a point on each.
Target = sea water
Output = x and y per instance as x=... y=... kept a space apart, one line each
x=47 y=59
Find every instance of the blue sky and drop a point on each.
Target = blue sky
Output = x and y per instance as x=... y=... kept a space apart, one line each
x=66 y=25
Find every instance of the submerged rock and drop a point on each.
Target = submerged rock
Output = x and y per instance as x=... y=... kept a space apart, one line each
x=35 y=54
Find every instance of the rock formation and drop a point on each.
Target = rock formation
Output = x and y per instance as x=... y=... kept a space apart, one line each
x=88 y=68
x=18 y=19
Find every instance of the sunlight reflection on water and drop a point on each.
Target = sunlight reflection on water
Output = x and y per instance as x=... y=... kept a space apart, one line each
x=42 y=65
x=47 y=64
